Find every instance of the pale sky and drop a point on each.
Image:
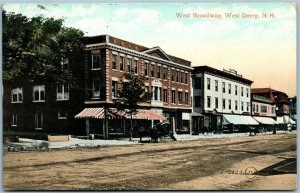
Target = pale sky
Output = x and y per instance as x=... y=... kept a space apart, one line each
x=262 y=50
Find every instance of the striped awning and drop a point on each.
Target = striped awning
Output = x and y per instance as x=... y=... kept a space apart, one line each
x=265 y=120
x=142 y=114
x=95 y=113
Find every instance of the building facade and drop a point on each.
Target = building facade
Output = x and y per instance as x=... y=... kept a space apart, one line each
x=107 y=62
x=262 y=106
x=216 y=93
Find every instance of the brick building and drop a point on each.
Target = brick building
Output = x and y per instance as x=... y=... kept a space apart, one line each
x=100 y=70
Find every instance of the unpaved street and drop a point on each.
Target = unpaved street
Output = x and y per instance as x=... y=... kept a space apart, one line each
x=262 y=162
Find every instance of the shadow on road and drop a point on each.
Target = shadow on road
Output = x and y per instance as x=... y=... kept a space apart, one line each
x=287 y=166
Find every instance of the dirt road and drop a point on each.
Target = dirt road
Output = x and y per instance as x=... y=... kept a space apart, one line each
x=265 y=162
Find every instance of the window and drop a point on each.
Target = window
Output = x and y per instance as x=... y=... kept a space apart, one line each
x=39 y=93
x=236 y=90
x=62 y=115
x=165 y=73
x=224 y=103
x=62 y=92
x=229 y=88
x=182 y=77
x=186 y=98
x=96 y=89
x=242 y=91
x=229 y=104
x=173 y=75
x=186 y=78
x=95 y=61
x=173 y=96
x=14 y=120
x=179 y=97
x=197 y=83
x=155 y=93
x=177 y=76
x=216 y=102
x=152 y=70
x=16 y=95
x=236 y=105
x=136 y=66
x=208 y=101
x=166 y=95
x=247 y=106
x=114 y=89
x=197 y=101
x=263 y=109
x=242 y=106
x=38 y=120
x=216 y=85
x=121 y=63
x=247 y=92
x=114 y=61
x=146 y=69
x=223 y=87
x=128 y=65
x=273 y=110
x=208 y=83
x=253 y=107
x=257 y=109
x=158 y=71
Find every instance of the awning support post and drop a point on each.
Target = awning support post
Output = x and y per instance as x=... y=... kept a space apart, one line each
x=105 y=124
x=87 y=127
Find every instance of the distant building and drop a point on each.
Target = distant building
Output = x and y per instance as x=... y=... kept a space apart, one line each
x=217 y=93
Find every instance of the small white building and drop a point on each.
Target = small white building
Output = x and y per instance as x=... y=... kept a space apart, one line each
x=217 y=93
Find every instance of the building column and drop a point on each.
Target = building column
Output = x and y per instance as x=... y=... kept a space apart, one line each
x=87 y=127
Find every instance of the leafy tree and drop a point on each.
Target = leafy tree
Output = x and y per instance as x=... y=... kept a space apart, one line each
x=33 y=48
x=132 y=94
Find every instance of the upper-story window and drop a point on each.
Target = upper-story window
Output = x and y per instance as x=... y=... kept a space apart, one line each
x=263 y=109
x=173 y=96
x=216 y=86
x=242 y=106
x=121 y=63
x=186 y=98
x=182 y=77
x=216 y=102
x=136 y=66
x=208 y=101
x=229 y=88
x=165 y=73
x=158 y=71
x=253 y=107
x=173 y=75
x=62 y=92
x=128 y=65
x=208 y=83
x=114 y=89
x=273 y=110
x=197 y=83
x=257 y=108
x=146 y=69
x=152 y=70
x=247 y=106
x=229 y=104
x=14 y=120
x=236 y=105
x=236 y=90
x=166 y=95
x=179 y=97
x=247 y=92
x=39 y=93
x=95 y=61
x=242 y=91
x=224 y=103
x=96 y=89
x=223 y=87
x=17 y=95
x=186 y=78
x=177 y=76
x=114 y=61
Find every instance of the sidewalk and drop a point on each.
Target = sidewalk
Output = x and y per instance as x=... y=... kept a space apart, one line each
x=31 y=144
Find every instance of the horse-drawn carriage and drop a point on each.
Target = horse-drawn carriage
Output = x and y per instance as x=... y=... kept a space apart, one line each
x=160 y=132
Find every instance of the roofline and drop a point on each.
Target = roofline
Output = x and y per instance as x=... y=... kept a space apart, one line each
x=202 y=69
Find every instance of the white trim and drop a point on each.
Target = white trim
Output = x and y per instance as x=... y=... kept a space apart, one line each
x=95 y=51
x=113 y=52
x=173 y=89
x=146 y=84
x=115 y=78
x=122 y=54
x=129 y=56
x=158 y=64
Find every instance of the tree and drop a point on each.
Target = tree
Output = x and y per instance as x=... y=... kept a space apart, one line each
x=132 y=94
x=34 y=48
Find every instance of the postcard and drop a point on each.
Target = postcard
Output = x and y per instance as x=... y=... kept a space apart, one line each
x=149 y=96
